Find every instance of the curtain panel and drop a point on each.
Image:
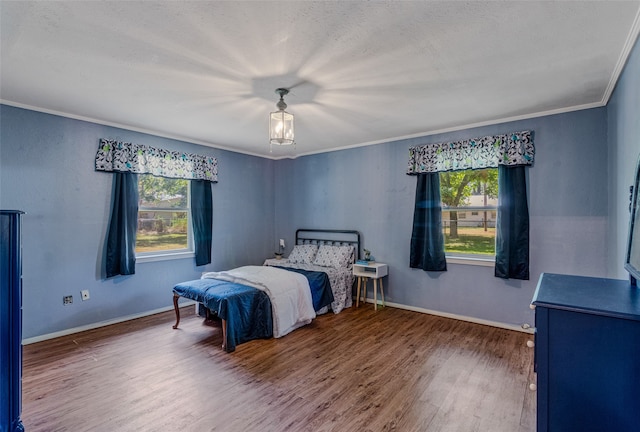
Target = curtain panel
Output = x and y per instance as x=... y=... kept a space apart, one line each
x=117 y=156
x=511 y=149
x=202 y=218
x=121 y=236
x=512 y=227
x=427 y=239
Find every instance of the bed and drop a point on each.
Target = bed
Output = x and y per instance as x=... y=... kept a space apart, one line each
x=272 y=300
x=338 y=268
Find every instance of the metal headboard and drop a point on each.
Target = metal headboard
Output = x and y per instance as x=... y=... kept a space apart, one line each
x=326 y=236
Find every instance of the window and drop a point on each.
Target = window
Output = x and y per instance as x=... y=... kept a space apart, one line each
x=469 y=203
x=164 y=219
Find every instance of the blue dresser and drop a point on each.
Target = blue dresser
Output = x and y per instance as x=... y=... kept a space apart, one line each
x=587 y=354
x=10 y=322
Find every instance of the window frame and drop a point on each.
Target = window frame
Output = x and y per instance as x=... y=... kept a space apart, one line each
x=486 y=260
x=170 y=254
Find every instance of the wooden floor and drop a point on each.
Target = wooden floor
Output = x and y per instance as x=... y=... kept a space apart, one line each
x=360 y=370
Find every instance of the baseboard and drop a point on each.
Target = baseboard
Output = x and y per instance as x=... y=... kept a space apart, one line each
x=101 y=324
x=513 y=327
x=190 y=302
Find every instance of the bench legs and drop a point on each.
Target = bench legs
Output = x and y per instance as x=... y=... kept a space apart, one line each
x=224 y=334
x=175 y=307
x=224 y=322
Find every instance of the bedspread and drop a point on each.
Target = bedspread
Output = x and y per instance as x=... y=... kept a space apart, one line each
x=246 y=310
x=341 y=281
x=289 y=292
x=319 y=284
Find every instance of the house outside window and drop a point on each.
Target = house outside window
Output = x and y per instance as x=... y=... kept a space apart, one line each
x=469 y=207
x=164 y=216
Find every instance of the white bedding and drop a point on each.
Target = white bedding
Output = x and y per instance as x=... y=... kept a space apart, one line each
x=341 y=281
x=289 y=293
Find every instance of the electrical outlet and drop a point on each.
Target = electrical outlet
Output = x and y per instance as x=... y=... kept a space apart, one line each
x=67 y=300
x=282 y=242
x=85 y=295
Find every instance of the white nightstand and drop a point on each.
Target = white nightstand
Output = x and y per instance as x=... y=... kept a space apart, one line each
x=276 y=262
x=374 y=271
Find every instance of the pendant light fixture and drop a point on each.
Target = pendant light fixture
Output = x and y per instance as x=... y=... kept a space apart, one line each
x=281 y=123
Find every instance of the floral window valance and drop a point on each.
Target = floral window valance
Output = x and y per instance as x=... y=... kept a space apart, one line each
x=141 y=159
x=487 y=152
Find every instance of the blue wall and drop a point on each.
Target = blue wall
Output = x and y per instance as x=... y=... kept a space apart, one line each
x=624 y=149
x=367 y=189
x=47 y=170
x=578 y=199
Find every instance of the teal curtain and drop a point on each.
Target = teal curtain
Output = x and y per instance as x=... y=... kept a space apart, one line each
x=427 y=240
x=512 y=227
x=121 y=235
x=202 y=218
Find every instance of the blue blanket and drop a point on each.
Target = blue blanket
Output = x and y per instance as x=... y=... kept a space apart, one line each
x=321 y=293
x=247 y=310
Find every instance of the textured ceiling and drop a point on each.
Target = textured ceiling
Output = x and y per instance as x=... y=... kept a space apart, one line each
x=359 y=72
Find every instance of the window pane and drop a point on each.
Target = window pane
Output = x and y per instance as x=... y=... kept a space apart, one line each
x=163 y=215
x=469 y=200
x=160 y=192
x=161 y=231
x=471 y=240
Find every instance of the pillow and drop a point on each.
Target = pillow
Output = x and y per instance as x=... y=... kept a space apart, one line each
x=303 y=254
x=334 y=256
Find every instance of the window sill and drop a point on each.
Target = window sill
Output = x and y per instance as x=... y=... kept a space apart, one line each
x=483 y=262
x=164 y=257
